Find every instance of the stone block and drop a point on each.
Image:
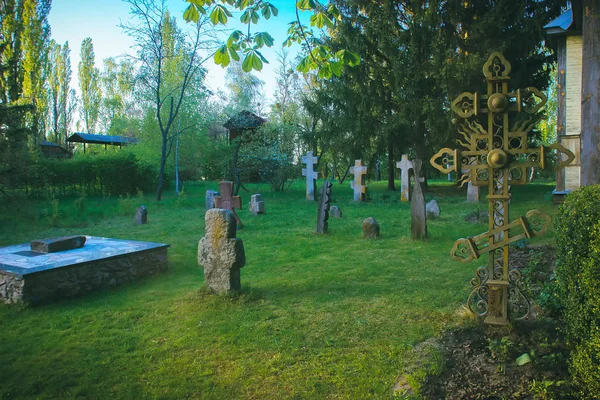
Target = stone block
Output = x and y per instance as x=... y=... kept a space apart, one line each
x=335 y=212
x=210 y=198
x=432 y=209
x=141 y=215
x=370 y=228
x=62 y=243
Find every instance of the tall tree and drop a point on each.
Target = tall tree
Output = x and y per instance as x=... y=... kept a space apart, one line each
x=62 y=100
x=35 y=42
x=162 y=47
x=89 y=84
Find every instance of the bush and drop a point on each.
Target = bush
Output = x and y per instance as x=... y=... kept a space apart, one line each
x=117 y=173
x=578 y=278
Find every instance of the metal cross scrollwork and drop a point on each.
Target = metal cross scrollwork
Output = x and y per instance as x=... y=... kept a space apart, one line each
x=498 y=156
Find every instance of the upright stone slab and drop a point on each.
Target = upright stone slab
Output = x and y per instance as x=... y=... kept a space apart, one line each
x=358 y=184
x=229 y=202
x=335 y=212
x=141 y=215
x=256 y=205
x=210 y=198
x=404 y=165
x=472 y=193
x=418 y=227
x=220 y=252
x=432 y=209
x=323 y=210
x=54 y=245
x=370 y=228
x=310 y=174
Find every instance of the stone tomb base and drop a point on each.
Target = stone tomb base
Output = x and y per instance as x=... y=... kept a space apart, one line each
x=31 y=277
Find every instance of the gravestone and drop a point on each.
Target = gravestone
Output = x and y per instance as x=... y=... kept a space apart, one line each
x=256 y=205
x=335 y=212
x=323 y=210
x=432 y=209
x=53 y=245
x=220 y=252
x=472 y=193
x=358 y=184
x=404 y=165
x=229 y=202
x=141 y=215
x=418 y=227
x=210 y=198
x=370 y=228
x=310 y=174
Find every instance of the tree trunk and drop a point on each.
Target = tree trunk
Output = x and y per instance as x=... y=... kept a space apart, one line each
x=390 y=165
x=236 y=173
x=590 y=94
x=177 y=164
x=161 y=172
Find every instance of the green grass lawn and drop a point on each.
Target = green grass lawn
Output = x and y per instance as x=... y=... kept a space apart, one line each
x=320 y=316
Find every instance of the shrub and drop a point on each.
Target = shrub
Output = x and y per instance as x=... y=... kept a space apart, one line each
x=578 y=278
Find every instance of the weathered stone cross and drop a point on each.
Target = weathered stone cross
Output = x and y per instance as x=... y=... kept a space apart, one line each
x=310 y=174
x=498 y=156
x=229 y=202
x=358 y=184
x=405 y=165
x=418 y=226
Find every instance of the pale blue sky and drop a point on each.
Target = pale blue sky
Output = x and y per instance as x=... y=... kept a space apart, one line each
x=74 y=20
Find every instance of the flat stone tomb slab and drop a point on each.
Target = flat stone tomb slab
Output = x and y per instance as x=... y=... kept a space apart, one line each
x=32 y=277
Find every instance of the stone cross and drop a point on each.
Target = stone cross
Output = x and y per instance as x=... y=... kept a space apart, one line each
x=358 y=184
x=310 y=174
x=472 y=193
x=256 y=205
x=227 y=201
x=498 y=155
x=405 y=165
x=220 y=252
x=323 y=210
x=418 y=226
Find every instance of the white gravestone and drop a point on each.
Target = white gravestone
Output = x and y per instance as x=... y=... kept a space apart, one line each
x=358 y=184
x=404 y=165
x=310 y=174
x=256 y=205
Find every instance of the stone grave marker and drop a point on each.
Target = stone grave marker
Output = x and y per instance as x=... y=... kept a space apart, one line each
x=310 y=174
x=370 y=228
x=418 y=227
x=256 y=205
x=323 y=210
x=335 y=212
x=432 y=209
x=358 y=184
x=141 y=215
x=404 y=165
x=220 y=252
x=53 y=245
x=472 y=193
x=210 y=198
x=229 y=202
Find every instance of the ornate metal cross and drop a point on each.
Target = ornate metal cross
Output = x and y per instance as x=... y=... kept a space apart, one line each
x=310 y=174
x=358 y=184
x=227 y=201
x=498 y=156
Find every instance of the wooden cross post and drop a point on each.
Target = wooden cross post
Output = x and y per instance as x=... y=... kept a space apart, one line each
x=418 y=226
x=498 y=156
x=358 y=184
x=310 y=174
x=405 y=165
x=229 y=202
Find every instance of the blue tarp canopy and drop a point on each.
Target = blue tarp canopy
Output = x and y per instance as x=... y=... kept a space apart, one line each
x=79 y=137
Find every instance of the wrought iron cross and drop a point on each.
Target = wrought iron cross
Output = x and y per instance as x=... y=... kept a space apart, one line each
x=498 y=156
x=227 y=201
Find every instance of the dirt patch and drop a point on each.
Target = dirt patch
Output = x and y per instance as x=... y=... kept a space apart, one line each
x=482 y=362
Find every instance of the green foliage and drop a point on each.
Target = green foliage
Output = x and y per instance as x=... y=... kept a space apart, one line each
x=89 y=84
x=578 y=276
x=116 y=173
